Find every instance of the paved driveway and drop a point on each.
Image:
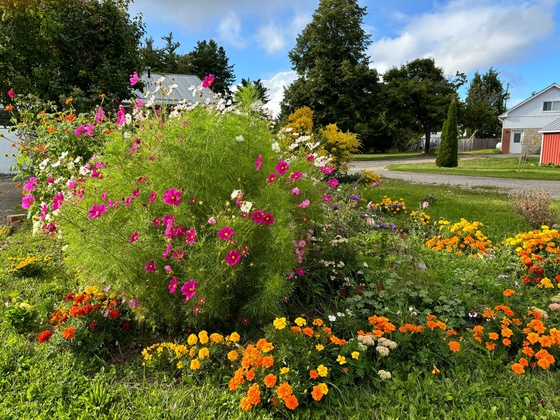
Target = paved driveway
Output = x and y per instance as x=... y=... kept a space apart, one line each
x=505 y=184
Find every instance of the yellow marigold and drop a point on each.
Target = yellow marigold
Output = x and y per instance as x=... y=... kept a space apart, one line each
x=192 y=339
x=341 y=359
x=245 y=404
x=280 y=323
x=355 y=355
x=234 y=337
x=300 y=322
x=203 y=337
x=203 y=352
x=216 y=338
x=324 y=388
x=322 y=370
x=233 y=355
x=195 y=364
x=284 y=370
x=179 y=364
x=320 y=347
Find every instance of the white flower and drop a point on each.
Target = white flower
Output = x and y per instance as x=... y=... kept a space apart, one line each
x=332 y=318
x=235 y=194
x=340 y=314
x=239 y=138
x=383 y=374
x=276 y=147
x=246 y=206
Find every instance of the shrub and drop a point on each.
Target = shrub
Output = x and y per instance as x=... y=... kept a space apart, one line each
x=534 y=207
x=447 y=154
x=340 y=146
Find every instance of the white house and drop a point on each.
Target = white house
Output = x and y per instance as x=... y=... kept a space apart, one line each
x=522 y=123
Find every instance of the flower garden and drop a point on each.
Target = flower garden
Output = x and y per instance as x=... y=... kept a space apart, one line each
x=194 y=248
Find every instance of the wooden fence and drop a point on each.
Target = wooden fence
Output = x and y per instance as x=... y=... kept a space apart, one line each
x=468 y=145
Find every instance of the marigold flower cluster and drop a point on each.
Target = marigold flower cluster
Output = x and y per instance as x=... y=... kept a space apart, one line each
x=419 y=218
x=388 y=205
x=539 y=252
x=463 y=237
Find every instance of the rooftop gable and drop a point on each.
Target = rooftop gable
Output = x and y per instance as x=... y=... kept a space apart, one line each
x=530 y=99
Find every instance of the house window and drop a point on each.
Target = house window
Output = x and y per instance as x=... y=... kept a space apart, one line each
x=551 y=106
x=517 y=137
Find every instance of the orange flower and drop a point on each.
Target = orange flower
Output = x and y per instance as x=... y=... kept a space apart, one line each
x=518 y=368
x=532 y=337
x=266 y=361
x=296 y=329
x=545 y=341
x=454 y=346
x=264 y=345
x=318 y=322
x=308 y=331
x=270 y=380
x=291 y=402
x=284 y=390
x=506 y=332
x=245 y=404
x=250 y=374
x=493 y=336
x=528 y=351
x=317 y=393
x=507 y=342
x=509 y=292
x=537 y=325
x=313 y=374
x=254 y=394
x=69 y=333
x=491 y=346
x=523 y=362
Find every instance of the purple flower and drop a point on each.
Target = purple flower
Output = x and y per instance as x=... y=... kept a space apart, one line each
x=233 y=257
x=354 y=197
x=151 y=267
x=96 y=210
x=172 y=197
x=189 y=289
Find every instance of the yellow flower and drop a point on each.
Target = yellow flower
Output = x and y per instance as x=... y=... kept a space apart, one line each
x=203 y=352
x=216 y=338
x=355 y=354
x=322 y=370
x=279 y=323
x=179 y=364
x=192 y=340
x=203 y=337
x=341 y=359
x=284 y=370
x=320 y=347
x=300 y=321
x=324 y=388
x=234 y=337
x=195 y=364
x=232 y=355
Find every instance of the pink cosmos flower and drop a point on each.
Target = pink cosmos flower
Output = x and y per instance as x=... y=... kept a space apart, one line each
x=208 y=81
x=50 y=180
x=173 y=283
x=96 y=210
x=300 y=271
x=294 y=176
x=225 y=233
x=295 y=191
x=138 y=104
x=11 y=93
x=99 y=115
x=151 y=267
x=178 y=255
x=136 y=193
x=30 y=184
x=425 y=204
x=333 y=182
x=258 y=162
x=233 y=257
x=57 y=201
x=212 y=221
x=310 y=158
x=153 y=196
x=134 y=79
x=326 y=170
x=44 y=211
x=282 y=167
x=167 y=251
x=133 y=238
x=268 y=219
x=168 y=269
x=327 y=197
x=172 y=197
x=120 y=116
x=304 y=204
x=271 y=178
x=190 y=237
x=189 y=289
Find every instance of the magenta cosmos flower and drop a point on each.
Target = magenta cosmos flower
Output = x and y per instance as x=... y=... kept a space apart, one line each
x=294 y=176
x=133 y=238
x=134 y=79
x=282 y=167
x=97 y=210
x=189 y=289
x=225 y=233
x=258 y=162
x=173 y=283
x=190 y=236
x=172 y=197
x=151 y=267
x=208 y=81
x=333 y=182
x=271 y=178
x=233 y=257
x=27 y=201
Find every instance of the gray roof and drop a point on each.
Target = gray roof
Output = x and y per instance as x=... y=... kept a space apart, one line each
x=180 y=92
x=553 y=127
x=505 y=114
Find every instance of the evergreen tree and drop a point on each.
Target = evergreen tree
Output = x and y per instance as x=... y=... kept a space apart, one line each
x=209 y=58
x=447 y=154
x=485 y=102
x=335 y=79
x=261 y=89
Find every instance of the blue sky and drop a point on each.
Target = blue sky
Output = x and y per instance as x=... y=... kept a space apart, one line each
x=518 y=38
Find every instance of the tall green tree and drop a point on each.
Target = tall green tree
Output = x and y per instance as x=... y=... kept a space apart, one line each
x=55 y=49
x=151 y=56
x=485 y=101
x=448 y=151
x=209 y=58
x=260 y=88
x=419 y=94
x=334 y=76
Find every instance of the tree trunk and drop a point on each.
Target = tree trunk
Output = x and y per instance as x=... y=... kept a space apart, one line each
x=427 y=133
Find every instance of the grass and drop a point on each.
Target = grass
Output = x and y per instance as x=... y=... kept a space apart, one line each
x=37 y=382
x=510 y=167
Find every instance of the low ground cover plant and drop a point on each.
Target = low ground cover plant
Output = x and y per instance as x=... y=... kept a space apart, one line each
x=198 y=264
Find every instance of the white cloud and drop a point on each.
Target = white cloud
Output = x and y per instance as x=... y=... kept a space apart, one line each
x=229 y=30
x=275 y=86
x=468 y=35
x=271 y=38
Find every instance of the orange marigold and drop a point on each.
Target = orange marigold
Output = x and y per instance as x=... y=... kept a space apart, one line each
x=69 y=333
x=454 y=346
x=491 y=346
x=523 y=362
x=509 y=292
x=317 y=393
x=270 y=380
x=493 y=336
x=318 y=322
x=284 y=390
x=254 y=394
x=291 y=402
x=250 y=374
x=264 y=345
x=245 y=404
x=518 y=368
x=313 y=374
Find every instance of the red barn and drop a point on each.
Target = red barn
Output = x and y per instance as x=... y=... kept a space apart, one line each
x=550 y=150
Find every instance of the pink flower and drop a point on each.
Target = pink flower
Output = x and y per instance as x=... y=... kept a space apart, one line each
x=151 y=267
x=50 y=180
x=120 y=116
x=296 y=191
x=189 y=289
x=153 y=196
x=304 y=204
x=96 y=210
x=208 y=81
x=27 y=201
x=225 y=233
x=99 y=115
x=44 y=211
x=300 y=271
x=326 y=170
x=233 y=257
x=57 y=201
x=268 y=219
x=138 y=104
x=425 y=204
x=173 y=283
x=327 y=197
x=257 y=217
x=294 y=176
x=30 y=184
x=167 y=251
x=134 y=79
x=258 y=162
x=310 y=158
x=212 y=221
x=282 y=167
x=333 y=182
x=190 y=237
x=11 y=93
x=178 y=255
x=172 y=197
x=271 y=178
x=133 y=238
